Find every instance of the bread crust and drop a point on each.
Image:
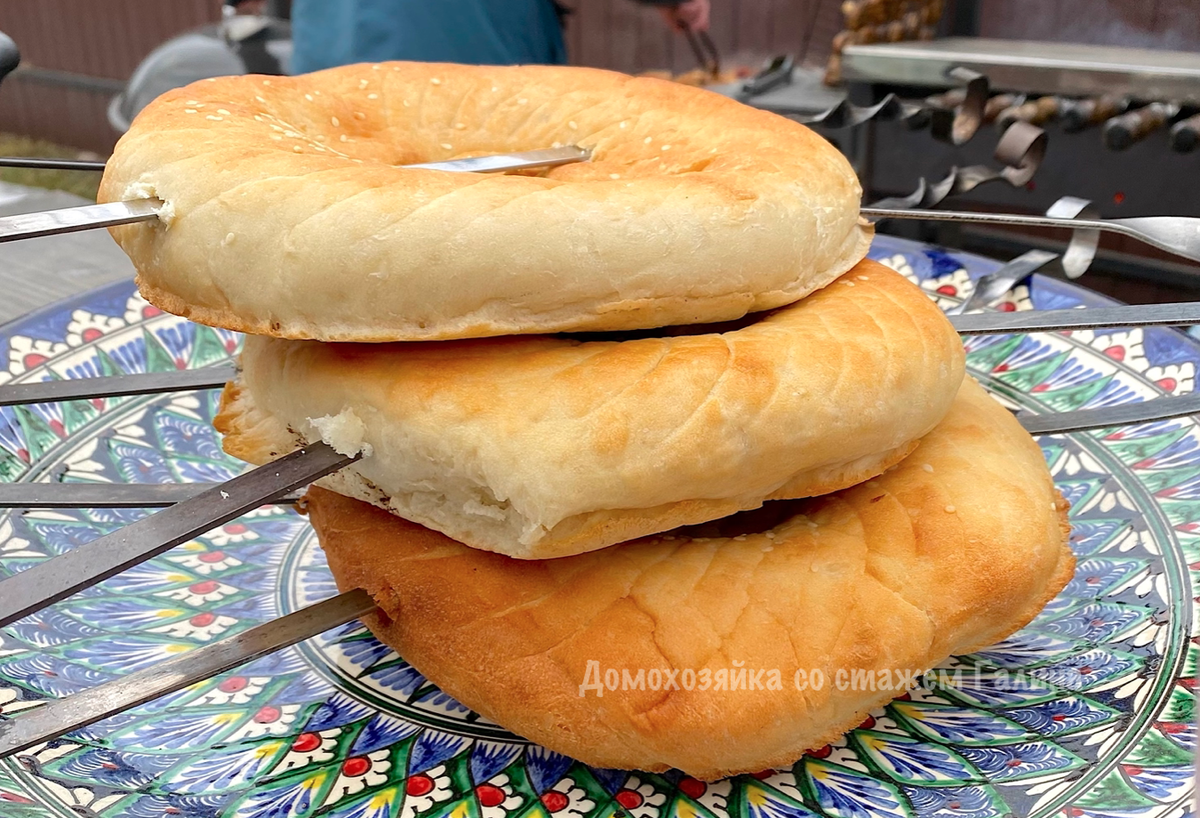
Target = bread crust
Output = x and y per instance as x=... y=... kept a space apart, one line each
x=546 y=447
x=287 y=213
x=957 y=547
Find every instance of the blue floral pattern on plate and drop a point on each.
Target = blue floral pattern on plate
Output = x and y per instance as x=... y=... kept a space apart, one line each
x=1087 y=711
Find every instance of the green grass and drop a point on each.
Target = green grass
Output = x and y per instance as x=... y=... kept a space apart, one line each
x=80 y=182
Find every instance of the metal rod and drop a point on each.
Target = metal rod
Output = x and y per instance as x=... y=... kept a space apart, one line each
x=116 y=385
x=61 y=716
x=548 y=158
x=107 y=495
x=1174 y=234
x=74 y=219
x=973 y=217
x=143 y=495
x=47 y=582
x=111 y=214
x=501 y=162
x=995 y=286
x=1109 y=417
x=1142 y=315
x=38 y=163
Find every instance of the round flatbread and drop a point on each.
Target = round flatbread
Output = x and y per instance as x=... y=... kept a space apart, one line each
x=288 y=212
x=955 y=548
x=542 y=447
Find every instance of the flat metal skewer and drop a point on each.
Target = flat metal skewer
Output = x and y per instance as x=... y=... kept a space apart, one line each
x=112 y=214
x=994 y=286
x=547 y=158
x=54 y=718
x=1178 y=314
x=1179 y=235
x=38 y=163
x=1110 y=417
x=59 y=577
x=159 y=495
x=1145 y=315
x=115 y=385
x=108 y=495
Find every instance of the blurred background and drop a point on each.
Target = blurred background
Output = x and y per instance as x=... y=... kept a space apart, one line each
x=76 y=54
x=87 y=67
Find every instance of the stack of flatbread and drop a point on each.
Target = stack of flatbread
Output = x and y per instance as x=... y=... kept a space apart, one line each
x=650 y=453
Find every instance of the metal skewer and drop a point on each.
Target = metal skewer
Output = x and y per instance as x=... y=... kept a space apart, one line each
x=549 y=157
x=47 y=582
x=994 y=286
x=1142 y=315
x=39 y=163
x=1174 y=234
x=112 y=214
x=108 y=495
x=153 y=495
x=60 y=716
x=116 y=385
x=1179 y=235
x=1148 y=315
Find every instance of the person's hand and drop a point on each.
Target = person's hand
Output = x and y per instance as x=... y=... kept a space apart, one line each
x=692 y=14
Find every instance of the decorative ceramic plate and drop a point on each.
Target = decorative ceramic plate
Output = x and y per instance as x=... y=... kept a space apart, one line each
x=340 y=726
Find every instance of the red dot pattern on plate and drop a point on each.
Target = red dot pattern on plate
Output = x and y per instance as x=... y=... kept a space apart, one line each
x=233 y=684
x=205 y=587
x=203 y=620
x=418 y=785
x=306 y=742
x=692 y=788
x=554 y=801
x=212 y=556
x=268 y=714
x=356 y=766
x=489 y=795
x=629 y=799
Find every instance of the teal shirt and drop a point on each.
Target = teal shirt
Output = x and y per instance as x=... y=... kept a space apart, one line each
x=326 y=33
